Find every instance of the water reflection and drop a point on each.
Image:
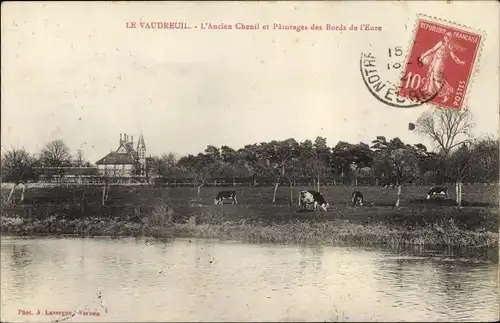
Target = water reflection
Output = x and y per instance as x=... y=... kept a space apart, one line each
x=199 y=280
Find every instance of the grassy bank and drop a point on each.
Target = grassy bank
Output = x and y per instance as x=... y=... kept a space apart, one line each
x=393 y=227
x=165 y=213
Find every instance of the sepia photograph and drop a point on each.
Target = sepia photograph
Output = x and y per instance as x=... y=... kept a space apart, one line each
x=250 y=161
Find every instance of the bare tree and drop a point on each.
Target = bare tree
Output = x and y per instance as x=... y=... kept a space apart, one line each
x=55 y=154
x=17 y=168
x=79 y=160
x=446 y=128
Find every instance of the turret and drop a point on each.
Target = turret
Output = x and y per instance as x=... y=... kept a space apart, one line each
x=141 y=152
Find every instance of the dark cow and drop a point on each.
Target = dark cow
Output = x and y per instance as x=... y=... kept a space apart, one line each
x=219 y=199
x=312 y=197
x=357 y=196
x=442 y=190
x=388 y=184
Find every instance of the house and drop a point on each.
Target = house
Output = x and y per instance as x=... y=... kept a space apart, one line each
x=125 y=160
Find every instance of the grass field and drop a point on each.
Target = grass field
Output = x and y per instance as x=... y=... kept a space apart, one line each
x=416 y=221
x=477 y=195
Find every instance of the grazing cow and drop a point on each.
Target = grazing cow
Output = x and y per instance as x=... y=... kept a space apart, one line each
x=387 y=184
x=442 y=190
x=357 y=196
x=219 y=199
x=312 y=197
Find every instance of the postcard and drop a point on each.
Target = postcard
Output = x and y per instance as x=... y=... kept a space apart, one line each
x=182 y=161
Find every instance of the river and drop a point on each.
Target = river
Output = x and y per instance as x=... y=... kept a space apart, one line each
x=127 y=279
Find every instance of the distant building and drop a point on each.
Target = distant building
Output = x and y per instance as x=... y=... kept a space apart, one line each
x=125 y=161
x=64 y=174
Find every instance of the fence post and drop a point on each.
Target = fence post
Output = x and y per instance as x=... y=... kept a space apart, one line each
x=192 y=222
x=170 y=214
x=29 y=212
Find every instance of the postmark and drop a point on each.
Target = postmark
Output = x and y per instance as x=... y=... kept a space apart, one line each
x=381 y=75
x=441 y=61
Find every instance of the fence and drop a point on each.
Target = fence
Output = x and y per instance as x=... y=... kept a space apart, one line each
x=92 y=180
x=86 y=180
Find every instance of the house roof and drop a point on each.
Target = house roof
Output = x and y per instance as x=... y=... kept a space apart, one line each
x=114 y=158
x=127 y=146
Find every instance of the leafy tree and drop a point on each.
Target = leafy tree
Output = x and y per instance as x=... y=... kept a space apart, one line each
x=397 y=161
x=460 y=164
x=362 y=157
x=427 y=161
x=202 y=166
x=230 y=161
x=342 y=158
x=485 y=152
x=305 y=154
x=320 y=159
x=404 y=166
x=252 y=158
x=165 y=166
x=278 y=156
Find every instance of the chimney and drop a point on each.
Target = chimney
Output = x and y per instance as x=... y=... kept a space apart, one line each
x=132 y=140
x=120 y=138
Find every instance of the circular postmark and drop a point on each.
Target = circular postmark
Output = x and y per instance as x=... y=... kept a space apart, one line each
x=407 y=89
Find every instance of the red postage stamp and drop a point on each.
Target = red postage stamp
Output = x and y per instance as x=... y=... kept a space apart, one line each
x=441 y=62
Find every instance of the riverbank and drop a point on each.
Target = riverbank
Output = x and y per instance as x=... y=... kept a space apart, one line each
x=436 y=226
x=169 y=213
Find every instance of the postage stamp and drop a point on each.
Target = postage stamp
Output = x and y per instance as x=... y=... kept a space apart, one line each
x=441 y=62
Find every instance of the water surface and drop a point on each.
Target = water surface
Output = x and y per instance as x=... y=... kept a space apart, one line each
x=200 y=280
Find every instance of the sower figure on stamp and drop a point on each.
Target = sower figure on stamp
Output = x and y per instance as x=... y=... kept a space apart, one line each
x=436 y=58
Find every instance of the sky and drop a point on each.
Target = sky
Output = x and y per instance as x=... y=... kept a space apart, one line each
x=73 y=71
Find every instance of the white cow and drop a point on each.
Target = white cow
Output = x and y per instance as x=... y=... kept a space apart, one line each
x=312 y=197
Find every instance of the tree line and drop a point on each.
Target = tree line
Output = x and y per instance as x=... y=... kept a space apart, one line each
x=455 y=157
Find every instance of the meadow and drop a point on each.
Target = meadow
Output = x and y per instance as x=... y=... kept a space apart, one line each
x=162 y=212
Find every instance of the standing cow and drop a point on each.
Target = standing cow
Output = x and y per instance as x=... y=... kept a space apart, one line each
x=307 y=197
x=356 y=197
x=441 y=190
x=387 y=184
x=219 y=199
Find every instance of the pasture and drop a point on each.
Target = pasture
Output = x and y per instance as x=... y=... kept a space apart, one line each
x=480 y=195
x=166 y=212
x=479 y=211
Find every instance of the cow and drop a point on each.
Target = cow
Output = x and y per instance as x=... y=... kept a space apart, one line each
x=388 y=184
x=307 y=197
x=442 y=190
x=219 y=199
x=357 y=196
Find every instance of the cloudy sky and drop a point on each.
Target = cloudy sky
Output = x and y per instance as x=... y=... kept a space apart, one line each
x=73 y=71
